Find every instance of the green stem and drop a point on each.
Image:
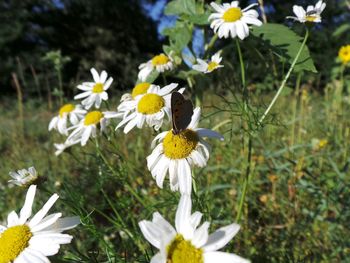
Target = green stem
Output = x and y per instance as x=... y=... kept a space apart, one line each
x=295 y=104
x=285 y=79
x=241 y=64
x=211 y=44
x=247 y=135
x=60 y=85
x=126 y=184
x=246 y=181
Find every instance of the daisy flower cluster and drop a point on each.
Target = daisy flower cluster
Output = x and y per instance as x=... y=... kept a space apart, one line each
x=176 y=151
x=83 y=121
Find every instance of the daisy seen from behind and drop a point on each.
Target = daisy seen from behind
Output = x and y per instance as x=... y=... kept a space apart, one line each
x=61 y=147
x=312 y=14
x=150 y=108
x=23 y=177
x=161 y=63
x=176 y=154
x=68 y=111
x=187 y=241
x=94 y=92
x=25 y=240
x=87 y=128
x=231 y=21
x=208 y=67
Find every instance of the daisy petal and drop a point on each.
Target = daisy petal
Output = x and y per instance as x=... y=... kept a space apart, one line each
x=183 y=214
x=26 y=211
x=43 y=211
x=95 y=75
x=151 y=232
x=221 y=237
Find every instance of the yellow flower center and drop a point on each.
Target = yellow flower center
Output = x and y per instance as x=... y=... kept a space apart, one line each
x=181 y=250
x=67 y=108
x=212 y=65
x=98 y=88
x=160 y=60
x=232 y=14
x=310 y=18
x=13 y=241
x=140 y=89
x=93 y=118
x=344 y=54
x=179 y=146
x=150 y=103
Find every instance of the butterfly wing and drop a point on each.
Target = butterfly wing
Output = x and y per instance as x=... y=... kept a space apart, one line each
x=181 y=112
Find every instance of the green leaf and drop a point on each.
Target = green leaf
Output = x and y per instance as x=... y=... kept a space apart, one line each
x=174 y=8
x=341 y=30
x=179 y=36
x=179 y=7
x=200 y=19
x=286 y=44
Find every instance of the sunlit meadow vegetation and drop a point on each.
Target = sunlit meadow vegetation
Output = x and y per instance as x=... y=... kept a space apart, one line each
x=281 y=172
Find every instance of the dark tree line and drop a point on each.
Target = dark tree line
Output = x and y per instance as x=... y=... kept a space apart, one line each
x=115 y=35
x=108 y=34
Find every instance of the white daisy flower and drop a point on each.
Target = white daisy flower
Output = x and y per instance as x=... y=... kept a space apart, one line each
x=312 y=13
x=188 y=242
x=87 y=127
x=207 y=67
x=127 y=99
x=149 y=108
x=28 y=241
x=23 y=177
x=231 y=20
x=95 y=92
x=71 y=111
x=176 y=154
x=160 y=63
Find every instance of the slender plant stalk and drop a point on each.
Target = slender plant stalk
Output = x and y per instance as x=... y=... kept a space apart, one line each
x=241 y=64
x=60 y=84
x=262 y=9
x=295 y=104
x=21 y=73
x=49 y=95
x=247 y=135
x=126 y=184
x=19 y=102
x=36 y=81
x=211 y=44
x=283 y=84
x=122 y=222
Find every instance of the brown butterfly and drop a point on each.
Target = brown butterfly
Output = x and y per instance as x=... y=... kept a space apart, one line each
x=181 y=112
